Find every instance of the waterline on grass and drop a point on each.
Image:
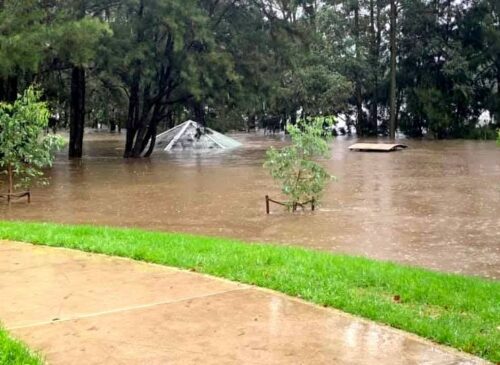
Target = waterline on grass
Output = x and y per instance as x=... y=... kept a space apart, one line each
x=453 y=310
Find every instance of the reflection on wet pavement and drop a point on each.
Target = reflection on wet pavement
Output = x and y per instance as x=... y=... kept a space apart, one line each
x=436 y=204
x=115 y=311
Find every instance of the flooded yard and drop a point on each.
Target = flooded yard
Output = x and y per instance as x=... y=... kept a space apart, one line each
x=436 y=204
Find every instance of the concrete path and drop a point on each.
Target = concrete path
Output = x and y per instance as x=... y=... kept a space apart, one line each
x=79 y=308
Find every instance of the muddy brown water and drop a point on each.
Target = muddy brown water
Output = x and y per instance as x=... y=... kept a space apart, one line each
x=435 y=205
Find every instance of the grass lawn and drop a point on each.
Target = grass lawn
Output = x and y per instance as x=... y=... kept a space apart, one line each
x=12 y=352
x=459 y=311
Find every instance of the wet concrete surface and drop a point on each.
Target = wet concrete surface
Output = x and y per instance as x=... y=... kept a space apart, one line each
x=436 y=204
x=79 y=308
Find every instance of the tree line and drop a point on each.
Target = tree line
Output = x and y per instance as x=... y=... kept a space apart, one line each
x=419 y=66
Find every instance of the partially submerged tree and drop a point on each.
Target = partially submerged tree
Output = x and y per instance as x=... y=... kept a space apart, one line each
x=24 y=151
x=301 y=177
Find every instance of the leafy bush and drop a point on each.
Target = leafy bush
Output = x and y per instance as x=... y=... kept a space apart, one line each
x=302 y=178
x=485 y=133
x=24 y=151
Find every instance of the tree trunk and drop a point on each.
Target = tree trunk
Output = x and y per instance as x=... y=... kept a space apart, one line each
x=12 y=85
x=151 y=139
x=360 y=127
x=496 y=114
x=378 y=44
x=2 y=89
x=11 y=182
x=130 y=126
x=373 y=59
x=8 y=88
x=375 y=29
x=77 y=112
x=134 y=105
x=142 y=126
x=141 y=140
x=392 y=96
x=251 y=122
x=199 y=113
x=133 y=114
x=293 y=118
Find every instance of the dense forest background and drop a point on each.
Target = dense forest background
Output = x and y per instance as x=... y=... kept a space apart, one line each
x=422 y=66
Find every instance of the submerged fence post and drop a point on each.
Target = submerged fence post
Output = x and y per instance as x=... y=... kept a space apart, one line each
x=267 y=204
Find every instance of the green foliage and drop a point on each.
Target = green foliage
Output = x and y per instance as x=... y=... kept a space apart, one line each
x=486 y=133
x=22 y=36
x=449 y=68
x=33 y=33
x=260 y=60
x=13 y=352
x=24 y=152
x=76 y=41
x=301 y=177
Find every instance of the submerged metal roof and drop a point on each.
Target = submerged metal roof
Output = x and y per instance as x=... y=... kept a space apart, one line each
x=191 y=135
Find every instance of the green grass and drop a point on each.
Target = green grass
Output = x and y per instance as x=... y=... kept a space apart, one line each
x=459 y=311
x=13 y=352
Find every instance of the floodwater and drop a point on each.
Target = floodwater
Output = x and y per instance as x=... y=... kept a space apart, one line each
x=436 y=204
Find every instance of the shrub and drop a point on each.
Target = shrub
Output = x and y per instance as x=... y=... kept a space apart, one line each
x=24 y=150
x=301 y=177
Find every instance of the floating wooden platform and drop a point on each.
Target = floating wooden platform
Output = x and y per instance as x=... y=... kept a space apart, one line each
x=377 y=147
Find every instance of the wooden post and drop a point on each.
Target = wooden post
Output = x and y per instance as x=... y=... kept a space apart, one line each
x=29 y=197
x=312 y=204
x=267 y=204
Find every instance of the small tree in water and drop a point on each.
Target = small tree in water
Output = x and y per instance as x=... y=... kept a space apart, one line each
x=302 y=178
x=24 y=151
